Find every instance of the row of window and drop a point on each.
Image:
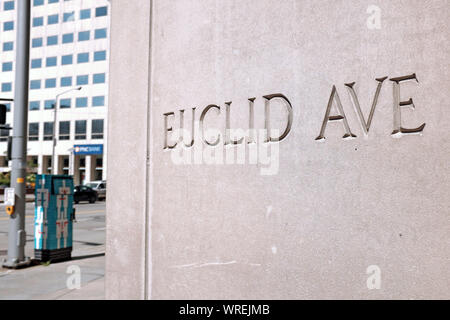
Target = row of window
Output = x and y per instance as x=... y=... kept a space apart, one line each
x=51 y=83
x=41 y=2
x=69 y=16
x=66 y=38
x=80 y=102
x=83 y=57
x=64 y=130
x=69 y=38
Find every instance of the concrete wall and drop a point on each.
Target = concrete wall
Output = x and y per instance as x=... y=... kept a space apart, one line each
x=324 y=212
x=126 y=196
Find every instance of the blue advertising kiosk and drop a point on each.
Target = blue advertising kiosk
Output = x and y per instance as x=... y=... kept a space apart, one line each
x=53 y=217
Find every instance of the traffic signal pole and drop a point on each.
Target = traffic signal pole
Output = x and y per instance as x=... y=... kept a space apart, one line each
x=17 y=236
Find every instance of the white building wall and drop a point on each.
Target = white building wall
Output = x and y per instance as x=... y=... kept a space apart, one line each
x=43 y=148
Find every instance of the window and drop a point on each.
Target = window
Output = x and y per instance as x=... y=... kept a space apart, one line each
x=8 y=26
x=53 y=1
x=67 y=38
x=82 y=80
x=48 y=131
x=49 y=104
x=99 y=55
x=51 y=61
x=97 y=129
x=101 y=11
x=64 y=130
x=81 y=102
x=66 y=81
x=8 y=107
x=52 y=40
x=68 y=59
x=80 y=129
x=36 y=42
x=69 y=16
x=4 y=134
x=35 y=84
x=36 y=63
x=34 y=105
x=98 y=101
x=38 y=3
x=65 y=103
x=84 y=35
x=38 y=21
x=33 y=131
x=8 y=5
x=7 y=66
x=85 y=14
x=50 y=83
x=99 y=78
x=53 y=19
x=83 y=57
x=100 y=33
x=8 y=46
x=7 y=87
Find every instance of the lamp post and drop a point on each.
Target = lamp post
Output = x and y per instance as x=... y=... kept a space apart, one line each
x=17 y=235
x=71 y=161
x=54 y=126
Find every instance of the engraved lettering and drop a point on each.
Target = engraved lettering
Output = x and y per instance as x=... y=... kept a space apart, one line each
x=251 y=120
x=340 y=117
x=365 y=125
x=228 y=139
x=288 y=105
x=202 y=125
x=168 y=129
x=181 y=140
x=399 y=104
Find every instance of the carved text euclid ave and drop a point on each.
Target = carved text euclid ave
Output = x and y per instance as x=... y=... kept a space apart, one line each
x=398 y=129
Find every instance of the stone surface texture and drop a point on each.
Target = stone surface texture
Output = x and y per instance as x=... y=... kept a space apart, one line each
x=335 y=207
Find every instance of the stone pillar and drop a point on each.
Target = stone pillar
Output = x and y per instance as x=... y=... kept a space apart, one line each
x=40 y=164
x=335 y=206
x=88 y=170
x=127 y=260
x=76 y=170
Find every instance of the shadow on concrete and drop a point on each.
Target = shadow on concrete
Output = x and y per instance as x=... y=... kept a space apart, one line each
x=89 y=256
x=94 y=244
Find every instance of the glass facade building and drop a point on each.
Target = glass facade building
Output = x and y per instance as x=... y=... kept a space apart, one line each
x=69 y=47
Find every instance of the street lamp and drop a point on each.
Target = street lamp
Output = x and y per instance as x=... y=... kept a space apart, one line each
x=54 y=126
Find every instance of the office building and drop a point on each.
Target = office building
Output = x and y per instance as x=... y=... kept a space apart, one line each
x=69 y=54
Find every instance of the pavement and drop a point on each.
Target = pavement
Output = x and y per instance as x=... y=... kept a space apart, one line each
x=55 y=281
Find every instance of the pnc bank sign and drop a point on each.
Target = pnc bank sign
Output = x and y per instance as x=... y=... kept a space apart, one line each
x=88 y=149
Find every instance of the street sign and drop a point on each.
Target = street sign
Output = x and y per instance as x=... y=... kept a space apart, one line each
x=10 y=197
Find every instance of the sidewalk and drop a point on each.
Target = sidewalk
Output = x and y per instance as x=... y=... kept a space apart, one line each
x=50 y=282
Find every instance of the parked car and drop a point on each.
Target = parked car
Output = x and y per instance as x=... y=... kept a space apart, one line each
x=100 y=187
x=85 y=193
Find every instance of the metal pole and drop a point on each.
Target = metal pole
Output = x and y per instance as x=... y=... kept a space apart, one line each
x=54 y=136
x=54 y=127
x=17 y=236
